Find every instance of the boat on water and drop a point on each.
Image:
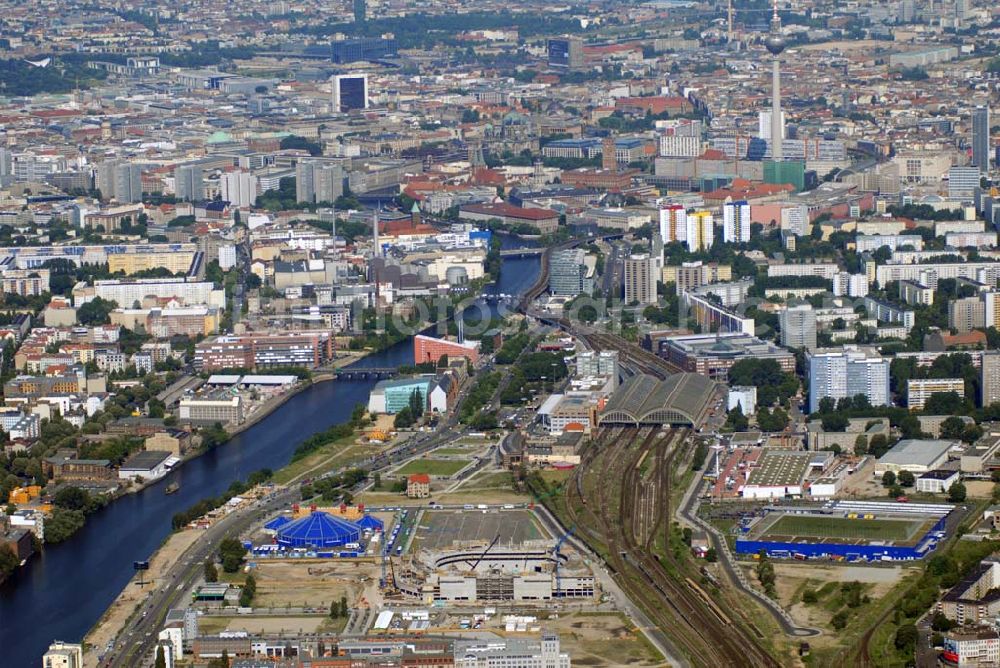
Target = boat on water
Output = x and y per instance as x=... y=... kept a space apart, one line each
x=171 y=488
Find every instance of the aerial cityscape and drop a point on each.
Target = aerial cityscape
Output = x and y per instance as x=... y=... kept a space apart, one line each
x=374 y=334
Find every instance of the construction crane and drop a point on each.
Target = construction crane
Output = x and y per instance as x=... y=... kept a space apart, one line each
x=496 y=539
x=555 y=554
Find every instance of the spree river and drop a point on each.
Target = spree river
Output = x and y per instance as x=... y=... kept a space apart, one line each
x=64 y=590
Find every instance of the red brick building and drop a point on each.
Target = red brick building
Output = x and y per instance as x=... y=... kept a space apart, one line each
x=429 y=349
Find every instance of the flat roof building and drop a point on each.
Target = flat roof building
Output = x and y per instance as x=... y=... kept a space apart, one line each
x=917 y=456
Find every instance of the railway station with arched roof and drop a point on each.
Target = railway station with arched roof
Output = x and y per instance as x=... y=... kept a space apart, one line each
x=683 y=399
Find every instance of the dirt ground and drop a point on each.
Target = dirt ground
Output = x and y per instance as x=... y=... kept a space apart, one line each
x=275 y=625
x=793 y=579
x=602 y=639
x=980 y=489
x=116 y=615
x=289 y=583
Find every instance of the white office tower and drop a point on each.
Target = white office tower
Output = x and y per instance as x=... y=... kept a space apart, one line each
x=764 y=125
x=590 y=364
x=798 y=327
x=239 y=188
x=847 y=372
x=673 y=223
x=640 y=280
x=736 y=222
x=700 y=231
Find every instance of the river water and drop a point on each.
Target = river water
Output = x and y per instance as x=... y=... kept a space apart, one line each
x=64 y=591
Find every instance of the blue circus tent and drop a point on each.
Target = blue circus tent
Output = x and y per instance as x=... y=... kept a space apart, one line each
x=370 y=523
x=277 y=522
x=319 y=530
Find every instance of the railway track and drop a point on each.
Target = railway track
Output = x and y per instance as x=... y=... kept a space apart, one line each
x=628 y=514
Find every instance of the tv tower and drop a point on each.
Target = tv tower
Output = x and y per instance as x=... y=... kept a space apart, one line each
x=377 y=249
x=775 y=44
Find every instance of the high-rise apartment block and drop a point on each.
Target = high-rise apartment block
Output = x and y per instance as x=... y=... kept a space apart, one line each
x=189 y=183
x=798 y=327
x=673 y=223
x=239 y=188
x=990 y=385
x=736 y=222
x=700 y=231
x=640 y=279
x=120 y=180
x=847 y=372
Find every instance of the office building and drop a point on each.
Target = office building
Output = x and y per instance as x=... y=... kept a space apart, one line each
x=565 y=52
x=798 y=327
x=567 y=273
x=691 y=275
x=713 y=355
x=962 y=182
x=63 y=655
x=673 y=223
x=430 y=349
x=736 y=222
x=305 y=349
x=239 y=188
x=318 y=180
x=920 y=390
x=981 y=138
x=590 y=364
x=700 y=231
x=711 y=317
x=640 y=279
x=990 y=377
x=224 y=409
x=349 y=91
x=120 y=180
x=847 y=372
x=189 y=183
x=362 y=48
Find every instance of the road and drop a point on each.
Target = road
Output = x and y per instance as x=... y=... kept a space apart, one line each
x=135 y=643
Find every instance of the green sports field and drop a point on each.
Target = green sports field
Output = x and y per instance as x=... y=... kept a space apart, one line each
x=811 y=526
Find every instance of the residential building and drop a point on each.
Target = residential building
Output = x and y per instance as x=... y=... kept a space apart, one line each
x=711 y=317
x=306 y=349
x=973 y=600
x=920 y=390
x=972 y=647
x=914 y=293
x=418 y=486
x=798 y=327
x=736 y=222
x=847 y=372
x=120 y=180
x=239 y=187
x=700 y=232
x=885 y=312
x=673 y=223
x=963 y=182
x=590 y=364
x=850 y=285
x=966 y=314
x=990 y=377
x=691 y=275
x=640 y=279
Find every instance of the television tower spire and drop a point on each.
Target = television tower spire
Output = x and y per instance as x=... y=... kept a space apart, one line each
x=775 y=44
x=377 y=250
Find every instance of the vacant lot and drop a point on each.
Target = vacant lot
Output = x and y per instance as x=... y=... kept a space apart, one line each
x=841 y=527
x=603 y=639
x=439 y=467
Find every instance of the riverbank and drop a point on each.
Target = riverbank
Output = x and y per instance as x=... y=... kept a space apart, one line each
x=131 y=597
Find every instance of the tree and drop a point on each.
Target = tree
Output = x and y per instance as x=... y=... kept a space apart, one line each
x=711 y=556
x=861 y=445
x=96 y=312
x=334 y=610
x=211 y=572
x=416 y=404
x=956 y=493
x=735 y=420
x=941 y=623
x=888 y=479
x=404 y=418
x=906 y=479
x=248 y=592
x=161 y=660
x=839 y=620
x=906 y=637
x=344 y=610
x=952 y=427
x=231 y=551
x=72 y=498
x=809 y=596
